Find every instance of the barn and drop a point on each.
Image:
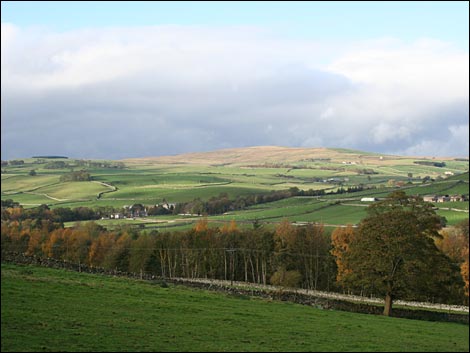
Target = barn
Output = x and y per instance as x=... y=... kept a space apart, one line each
x=369 y=199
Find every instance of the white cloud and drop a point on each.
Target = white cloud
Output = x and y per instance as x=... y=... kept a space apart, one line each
x=453 y=142
x=459 y=132
x=384 y=132
x=328 y=113
x=120 y=92
x=418 y=72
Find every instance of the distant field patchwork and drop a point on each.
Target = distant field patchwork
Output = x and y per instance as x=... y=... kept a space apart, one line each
x=244 y=172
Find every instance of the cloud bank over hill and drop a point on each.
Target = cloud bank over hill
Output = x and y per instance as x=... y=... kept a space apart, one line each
x=147 y=91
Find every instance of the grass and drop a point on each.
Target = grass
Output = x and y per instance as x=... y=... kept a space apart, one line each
x=452 y=217
x=149 y=181
x=56 y=310
x=19 y=183
x=29 y=200
x=74 y=190
x=449 y=187
x=300 y=210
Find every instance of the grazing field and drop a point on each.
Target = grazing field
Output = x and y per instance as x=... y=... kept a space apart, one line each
x=243 y=172
x=56 y=310
x=19 y=182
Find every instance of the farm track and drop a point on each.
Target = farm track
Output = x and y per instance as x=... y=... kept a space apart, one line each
x=56 y=199
x=31 y=192
x=48 y=196
x=112 y=187
x=452 y=209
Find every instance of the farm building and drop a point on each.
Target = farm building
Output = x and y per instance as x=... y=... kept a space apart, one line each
x=116 y=216
x=369 y=199
x=445 y=198
x=167 y=206
x=136 y=210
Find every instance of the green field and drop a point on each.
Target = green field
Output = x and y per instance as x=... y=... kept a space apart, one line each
x=243 y=172
x=57 y=310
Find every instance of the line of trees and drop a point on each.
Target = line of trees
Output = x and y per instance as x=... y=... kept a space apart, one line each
x=431 y=163
x=221 y=203
x=12 y=211
x=99 y=164
x=57 y=165
x=397 y=251
x=289 y=256
x=355 y=261
x=13 y=162
x=80 y=175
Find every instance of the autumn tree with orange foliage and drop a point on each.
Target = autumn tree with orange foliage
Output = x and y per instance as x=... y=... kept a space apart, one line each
x=14 y=213
x=454 y=243
x=464 y=272
x=230 y=227
x=142 y=253
x=53 y=245
x=99 y=249
x=36 y=238
x=341 y=239
x=202 y=225
x=15 y=236
x=303 y=249
x=284 y=244
x=118 y=256
x=464 y=233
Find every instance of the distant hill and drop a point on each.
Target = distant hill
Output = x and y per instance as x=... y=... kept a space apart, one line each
x=51 y=157
x=275 y=154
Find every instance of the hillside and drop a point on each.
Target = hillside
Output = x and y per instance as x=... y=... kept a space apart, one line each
x=99 y=313
x=241 y=173
x=276 y=154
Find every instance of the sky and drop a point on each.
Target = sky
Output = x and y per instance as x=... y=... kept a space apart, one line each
x=113 y=80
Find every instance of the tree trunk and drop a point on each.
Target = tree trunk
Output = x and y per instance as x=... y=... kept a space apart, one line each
x=253 y=275
x=245 y=262
x=225 y=265
x=388 y=305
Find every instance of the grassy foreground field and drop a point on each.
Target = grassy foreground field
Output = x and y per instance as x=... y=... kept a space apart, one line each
x=56 y=310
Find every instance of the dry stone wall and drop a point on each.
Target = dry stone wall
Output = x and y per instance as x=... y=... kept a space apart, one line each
x=247 y=290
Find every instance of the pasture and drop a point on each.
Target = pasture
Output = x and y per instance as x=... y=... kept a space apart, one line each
x=56 y=310
x=243 y=172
